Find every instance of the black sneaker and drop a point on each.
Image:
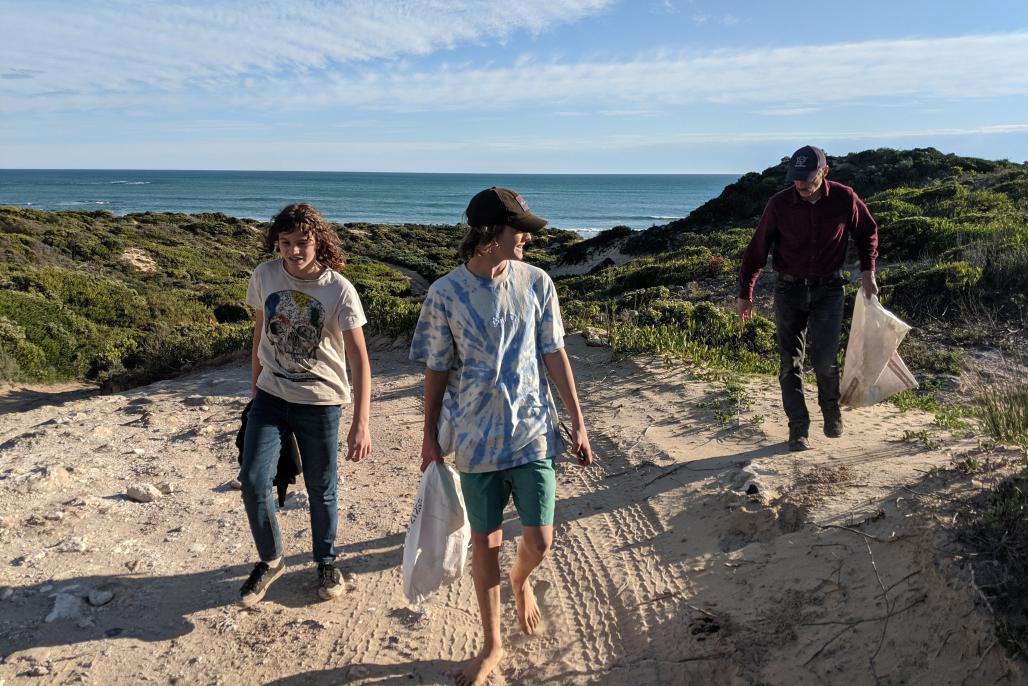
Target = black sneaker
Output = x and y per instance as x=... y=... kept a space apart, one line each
x=259 y=581
x=798 y=439
x=833 y=426
x=330 y=581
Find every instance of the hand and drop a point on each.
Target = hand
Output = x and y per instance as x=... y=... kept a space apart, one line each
x=745 y=309
x=868 y=283
x=430 y=452
x=358 y=442
x=580 y=447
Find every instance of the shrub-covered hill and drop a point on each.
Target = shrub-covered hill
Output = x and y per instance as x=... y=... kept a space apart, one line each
x=953 y=247
x=91 y=295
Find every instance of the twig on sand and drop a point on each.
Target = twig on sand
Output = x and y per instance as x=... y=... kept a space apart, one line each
x=853 y=624
x=855 y=531
x=659 y=596
x=701 y=610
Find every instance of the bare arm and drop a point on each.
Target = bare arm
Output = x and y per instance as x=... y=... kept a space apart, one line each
x=358 y=440
x=559 y=369
x=255 y=363
x=435 y=388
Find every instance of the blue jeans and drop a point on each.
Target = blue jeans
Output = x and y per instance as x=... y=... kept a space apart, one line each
x=808 y=317
x=316 y=428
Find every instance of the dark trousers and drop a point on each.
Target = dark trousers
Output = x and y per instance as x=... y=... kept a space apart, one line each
x=316 y=428
x=808 y=316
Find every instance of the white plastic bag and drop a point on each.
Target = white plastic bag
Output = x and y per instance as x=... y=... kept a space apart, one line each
x=873 y=369
x=439 y=534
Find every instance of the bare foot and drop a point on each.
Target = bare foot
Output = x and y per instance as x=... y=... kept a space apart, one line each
x=528 y=610
x=478 y=670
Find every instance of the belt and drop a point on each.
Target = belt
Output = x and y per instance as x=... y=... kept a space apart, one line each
x=817 y=281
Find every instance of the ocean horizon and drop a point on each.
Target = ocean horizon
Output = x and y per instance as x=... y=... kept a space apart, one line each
x=586 y=203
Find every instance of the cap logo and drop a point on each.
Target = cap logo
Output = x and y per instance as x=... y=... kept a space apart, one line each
x=801 y=161
x=521 y=201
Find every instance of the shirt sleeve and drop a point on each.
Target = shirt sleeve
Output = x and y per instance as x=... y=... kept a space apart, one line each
x=253 y=290
x=550 y=334
x=865 y=234
x=755 y=257
x=351 y=312
x=432 y=342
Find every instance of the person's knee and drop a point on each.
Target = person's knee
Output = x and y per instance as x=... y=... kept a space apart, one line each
x=536 y=545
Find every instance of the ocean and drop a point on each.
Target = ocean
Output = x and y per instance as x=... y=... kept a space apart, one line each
x=586 y=203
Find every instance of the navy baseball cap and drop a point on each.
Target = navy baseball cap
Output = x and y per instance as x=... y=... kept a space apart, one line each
x=805 y=163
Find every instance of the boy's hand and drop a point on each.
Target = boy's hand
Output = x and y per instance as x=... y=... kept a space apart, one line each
x=578 y=445
x=430 y=452
x=358 y=442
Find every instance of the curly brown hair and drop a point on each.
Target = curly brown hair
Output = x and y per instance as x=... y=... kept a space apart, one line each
x=306 y=218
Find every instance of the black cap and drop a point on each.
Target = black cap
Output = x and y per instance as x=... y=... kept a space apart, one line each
x=495 y=206
x=805 y=163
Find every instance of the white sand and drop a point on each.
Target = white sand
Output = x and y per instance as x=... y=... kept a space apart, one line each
x=661 y=573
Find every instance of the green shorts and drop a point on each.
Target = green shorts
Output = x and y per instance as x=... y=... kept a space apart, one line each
x=486 y=494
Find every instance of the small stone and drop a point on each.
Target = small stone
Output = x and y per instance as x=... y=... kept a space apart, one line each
x=195 y=401
x=197 y=548
x=39 y=669
x=54 y=516
x=66 y=606
x=138 y=451
x=143 y=493
x=48 y=479
x=167 y=488
x=99 y=598
x=235 y=485
x=73 y=545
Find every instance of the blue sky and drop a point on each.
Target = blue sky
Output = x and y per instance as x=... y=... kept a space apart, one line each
x=558 y=86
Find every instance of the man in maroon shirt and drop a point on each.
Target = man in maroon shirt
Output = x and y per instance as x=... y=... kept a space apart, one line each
x=806 y=228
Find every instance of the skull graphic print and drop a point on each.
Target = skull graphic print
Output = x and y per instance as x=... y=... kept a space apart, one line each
x=293 y=325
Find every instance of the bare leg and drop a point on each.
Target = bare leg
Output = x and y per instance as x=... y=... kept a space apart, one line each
x=535 y=542
x=485 y=570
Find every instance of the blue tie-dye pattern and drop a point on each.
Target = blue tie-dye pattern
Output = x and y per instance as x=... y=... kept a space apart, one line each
x=498 y=397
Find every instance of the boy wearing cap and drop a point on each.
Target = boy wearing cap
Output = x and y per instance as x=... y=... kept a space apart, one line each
x=806 y=227
x=487 y=331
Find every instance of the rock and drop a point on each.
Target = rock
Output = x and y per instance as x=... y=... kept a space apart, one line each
x=235 y=484
x=99 y=598
x=143 y=493
x=597 y=338
x=73 y=545
x=138 y=451
x=167 y=488
x=197 y=548
x=298 y=501
x=39 y=669
x=47 y=479
x=196 y=401
x=66 y=606
x=54 y=516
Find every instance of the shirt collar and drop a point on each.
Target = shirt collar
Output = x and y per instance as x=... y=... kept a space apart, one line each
x=797 y=200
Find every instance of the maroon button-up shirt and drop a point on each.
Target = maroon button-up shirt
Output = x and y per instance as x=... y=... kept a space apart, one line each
x=809 y=239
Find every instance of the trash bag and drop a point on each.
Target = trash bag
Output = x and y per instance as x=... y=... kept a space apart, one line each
x=439 y=534
x=873 y=370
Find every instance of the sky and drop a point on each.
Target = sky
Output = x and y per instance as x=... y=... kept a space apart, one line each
x=532 y=86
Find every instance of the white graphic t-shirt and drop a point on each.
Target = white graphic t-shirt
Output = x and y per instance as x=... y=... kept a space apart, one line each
x=301 y=347
x=491 y=334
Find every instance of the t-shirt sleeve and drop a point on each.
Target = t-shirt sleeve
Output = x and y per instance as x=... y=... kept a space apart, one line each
x=253 y=290
x=550 y=335
x=351 y=312
x=433 y=340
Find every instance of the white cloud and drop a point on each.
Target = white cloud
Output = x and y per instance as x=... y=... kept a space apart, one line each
x=788 y=111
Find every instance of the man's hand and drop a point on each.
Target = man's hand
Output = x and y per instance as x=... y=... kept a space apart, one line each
x=580 y=447
x=358 y=442
x=430 y=452
x=745 y=309
x=868 y=283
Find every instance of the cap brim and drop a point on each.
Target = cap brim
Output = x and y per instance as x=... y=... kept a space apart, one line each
x=527 y=222
x=793 y=175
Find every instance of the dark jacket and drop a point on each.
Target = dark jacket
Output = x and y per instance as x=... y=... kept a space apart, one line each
x=288 y=460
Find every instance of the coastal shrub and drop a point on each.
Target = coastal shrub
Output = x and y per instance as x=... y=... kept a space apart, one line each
x=389 y=315
x=933 y=289
x=881 y=205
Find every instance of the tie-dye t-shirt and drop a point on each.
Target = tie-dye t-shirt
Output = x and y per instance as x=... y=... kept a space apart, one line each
x=491 y=334
x=302 y=350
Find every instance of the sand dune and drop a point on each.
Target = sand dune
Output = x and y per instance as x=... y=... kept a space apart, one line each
x=664 y=570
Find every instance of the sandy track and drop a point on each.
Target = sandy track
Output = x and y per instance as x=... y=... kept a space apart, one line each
x=661 y=572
